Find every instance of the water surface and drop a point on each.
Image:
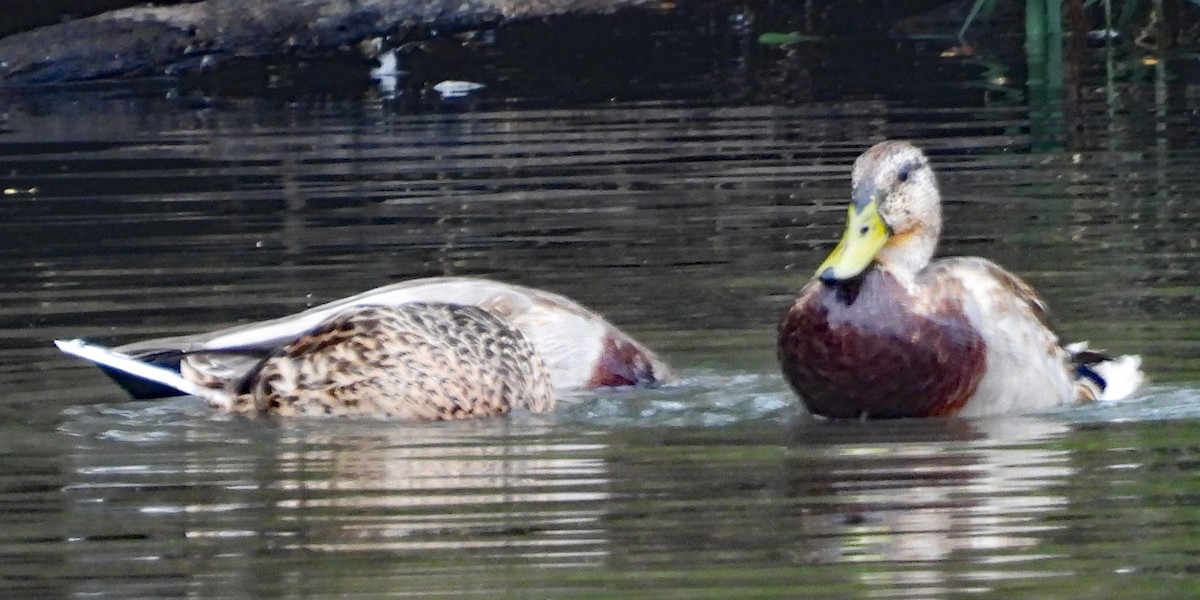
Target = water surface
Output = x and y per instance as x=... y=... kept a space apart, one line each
x=688 y=222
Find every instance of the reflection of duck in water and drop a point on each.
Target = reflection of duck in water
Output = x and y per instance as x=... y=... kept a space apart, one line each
x=438 y=348
x=881 y=331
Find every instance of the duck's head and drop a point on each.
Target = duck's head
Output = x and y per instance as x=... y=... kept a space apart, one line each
x=895 y=215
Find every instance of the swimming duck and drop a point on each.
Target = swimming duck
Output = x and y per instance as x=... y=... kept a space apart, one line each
x=436 y=348
x=881 y=331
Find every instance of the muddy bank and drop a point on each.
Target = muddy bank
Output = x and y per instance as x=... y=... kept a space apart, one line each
x=228 y=45
x=183 y=39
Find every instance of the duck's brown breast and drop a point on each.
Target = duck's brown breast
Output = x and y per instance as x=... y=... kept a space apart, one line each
x=861 y=348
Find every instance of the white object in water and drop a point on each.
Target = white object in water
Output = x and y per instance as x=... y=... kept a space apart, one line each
x=387 y=74
x=389 y=66
x=453 y=89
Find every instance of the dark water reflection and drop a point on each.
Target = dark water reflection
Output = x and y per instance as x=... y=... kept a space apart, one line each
x=689 y=224
x=161 y=501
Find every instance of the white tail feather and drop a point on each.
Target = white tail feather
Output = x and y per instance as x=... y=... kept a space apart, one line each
x=123 y=362
x=1122 y=376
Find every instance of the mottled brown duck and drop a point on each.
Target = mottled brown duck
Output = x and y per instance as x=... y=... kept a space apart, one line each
x=883 y=331
x=428 y=349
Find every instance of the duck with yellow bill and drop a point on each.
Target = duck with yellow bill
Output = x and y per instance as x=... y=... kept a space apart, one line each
x=884 y=331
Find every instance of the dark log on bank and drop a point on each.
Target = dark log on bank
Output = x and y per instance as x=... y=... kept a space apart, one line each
x=182 y=39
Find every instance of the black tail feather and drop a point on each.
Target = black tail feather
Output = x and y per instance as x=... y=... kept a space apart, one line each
x=169 y=358
x=142 y=389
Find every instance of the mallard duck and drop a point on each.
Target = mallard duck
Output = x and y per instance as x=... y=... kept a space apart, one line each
x=882 y=332
x=437 y=348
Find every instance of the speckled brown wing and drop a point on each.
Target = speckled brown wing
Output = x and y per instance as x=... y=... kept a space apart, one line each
x=420 y=361
x=1014 y=287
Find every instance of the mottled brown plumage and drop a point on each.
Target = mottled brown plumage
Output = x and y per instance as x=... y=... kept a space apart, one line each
x=419 y=361
x=883 y=332
x=433 y=348
x=580 y=348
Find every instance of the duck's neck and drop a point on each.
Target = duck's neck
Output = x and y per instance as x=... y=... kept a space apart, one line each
x=907 y=253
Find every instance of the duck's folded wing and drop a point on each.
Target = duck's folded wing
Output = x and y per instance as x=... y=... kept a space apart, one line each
x=270 y=335
x=1026 y=367
x=992 y=287
x=213 y=358
x=181 y=356
x=141 y=376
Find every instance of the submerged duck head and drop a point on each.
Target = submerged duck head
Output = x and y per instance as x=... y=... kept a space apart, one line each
x=895 y=214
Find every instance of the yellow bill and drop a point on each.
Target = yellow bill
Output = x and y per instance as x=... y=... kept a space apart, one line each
x=865 y=234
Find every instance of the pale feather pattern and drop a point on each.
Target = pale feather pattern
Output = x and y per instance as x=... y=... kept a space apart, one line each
x=419 y=361
x=1026 y=368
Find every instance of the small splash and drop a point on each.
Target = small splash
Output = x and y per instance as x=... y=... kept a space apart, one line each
x=1154 y=403
x=188 y=419
x=699 y=399
x=155 y=421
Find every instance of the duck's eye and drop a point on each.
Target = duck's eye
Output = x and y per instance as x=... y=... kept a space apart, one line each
x=907 y=170
x=863 y=230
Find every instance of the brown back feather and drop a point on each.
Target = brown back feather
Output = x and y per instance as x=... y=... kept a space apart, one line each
x=424 y=361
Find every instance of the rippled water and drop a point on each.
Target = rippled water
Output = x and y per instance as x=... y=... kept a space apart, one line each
x=130 y=215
